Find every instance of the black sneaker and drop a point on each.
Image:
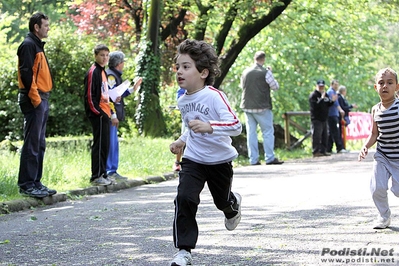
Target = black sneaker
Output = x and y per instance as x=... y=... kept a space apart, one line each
x=33 y=192
x=49 y=190
x=275 y=161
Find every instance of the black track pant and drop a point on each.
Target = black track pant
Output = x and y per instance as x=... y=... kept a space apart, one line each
x=100 y=147
x=192 y=179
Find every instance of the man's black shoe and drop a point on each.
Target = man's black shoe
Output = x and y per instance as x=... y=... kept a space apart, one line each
x=48 y=190
x=33 y=192
x=275 y=161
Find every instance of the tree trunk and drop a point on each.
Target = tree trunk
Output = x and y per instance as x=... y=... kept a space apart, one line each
x=149 y=116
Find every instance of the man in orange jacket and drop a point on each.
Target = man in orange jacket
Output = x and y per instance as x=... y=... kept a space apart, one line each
x=35 y=83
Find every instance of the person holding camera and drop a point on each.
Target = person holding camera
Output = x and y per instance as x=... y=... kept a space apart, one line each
x=320 y=103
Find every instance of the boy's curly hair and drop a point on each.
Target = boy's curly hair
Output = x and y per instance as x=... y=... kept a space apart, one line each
x=204 y=56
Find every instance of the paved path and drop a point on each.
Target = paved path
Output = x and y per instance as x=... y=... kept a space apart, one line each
x=290 y=214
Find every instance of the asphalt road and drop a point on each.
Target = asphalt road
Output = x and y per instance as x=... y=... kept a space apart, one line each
x=291 y=215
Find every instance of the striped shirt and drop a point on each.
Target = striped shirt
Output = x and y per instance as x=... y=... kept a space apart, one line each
x=388 y=130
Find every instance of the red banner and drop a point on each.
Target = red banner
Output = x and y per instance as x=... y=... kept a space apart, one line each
x=359 y=127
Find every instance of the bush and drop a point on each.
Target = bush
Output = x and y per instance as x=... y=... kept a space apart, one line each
x=68 y=65
x=10 y=117
x=70 y=56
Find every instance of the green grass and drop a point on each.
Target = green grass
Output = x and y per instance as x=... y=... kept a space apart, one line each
x=69 y=168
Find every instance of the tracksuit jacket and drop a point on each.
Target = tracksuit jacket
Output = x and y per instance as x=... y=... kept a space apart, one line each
x=96 y=96
x=34 y=76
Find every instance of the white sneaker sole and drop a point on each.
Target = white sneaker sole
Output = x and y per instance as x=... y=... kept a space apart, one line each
x=238 y=219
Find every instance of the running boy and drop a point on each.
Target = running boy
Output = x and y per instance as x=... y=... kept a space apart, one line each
x=384 y=131
x=208 y=154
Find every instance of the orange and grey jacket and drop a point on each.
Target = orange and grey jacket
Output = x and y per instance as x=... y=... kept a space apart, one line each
x=34 y=76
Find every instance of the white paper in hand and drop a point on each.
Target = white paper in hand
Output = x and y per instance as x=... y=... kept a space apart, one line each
x=119 y=90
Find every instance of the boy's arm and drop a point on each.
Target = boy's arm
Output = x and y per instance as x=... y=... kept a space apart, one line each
x=371 y=139
x=231 y=127
x=177 y=146
x=93 y=87
x=184 y=136
x=228 y=123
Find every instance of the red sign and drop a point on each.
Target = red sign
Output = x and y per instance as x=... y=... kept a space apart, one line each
x=359 y=127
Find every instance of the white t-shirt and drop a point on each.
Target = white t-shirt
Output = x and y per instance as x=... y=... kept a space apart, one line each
x=209 y=105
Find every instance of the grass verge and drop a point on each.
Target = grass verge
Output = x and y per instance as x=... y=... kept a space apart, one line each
x=68 y=168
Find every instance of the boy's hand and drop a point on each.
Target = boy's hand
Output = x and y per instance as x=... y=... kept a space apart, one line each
x=199 y=126
x=363 y=153
x=177 y=146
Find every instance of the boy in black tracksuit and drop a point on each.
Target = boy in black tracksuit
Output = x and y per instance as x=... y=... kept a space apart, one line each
x=99 y=110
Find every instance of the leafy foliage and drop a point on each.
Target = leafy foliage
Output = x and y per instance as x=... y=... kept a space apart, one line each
x=313 y=40
x=68 y=66
x=23 y=9
x=10 y=117
x=149 y=117
x=192 y=19
x=121 y=21
x=305 y=40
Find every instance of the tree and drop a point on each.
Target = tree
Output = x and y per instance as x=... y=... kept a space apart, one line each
x=252 y=26
x=23 y=9
x=149 y=115
x=320 y=39
x=200 y=20
x=310 y=39
x=119 y=21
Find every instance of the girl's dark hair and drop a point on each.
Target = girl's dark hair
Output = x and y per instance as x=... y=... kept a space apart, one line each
x=36 y=19
x=204 y=56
